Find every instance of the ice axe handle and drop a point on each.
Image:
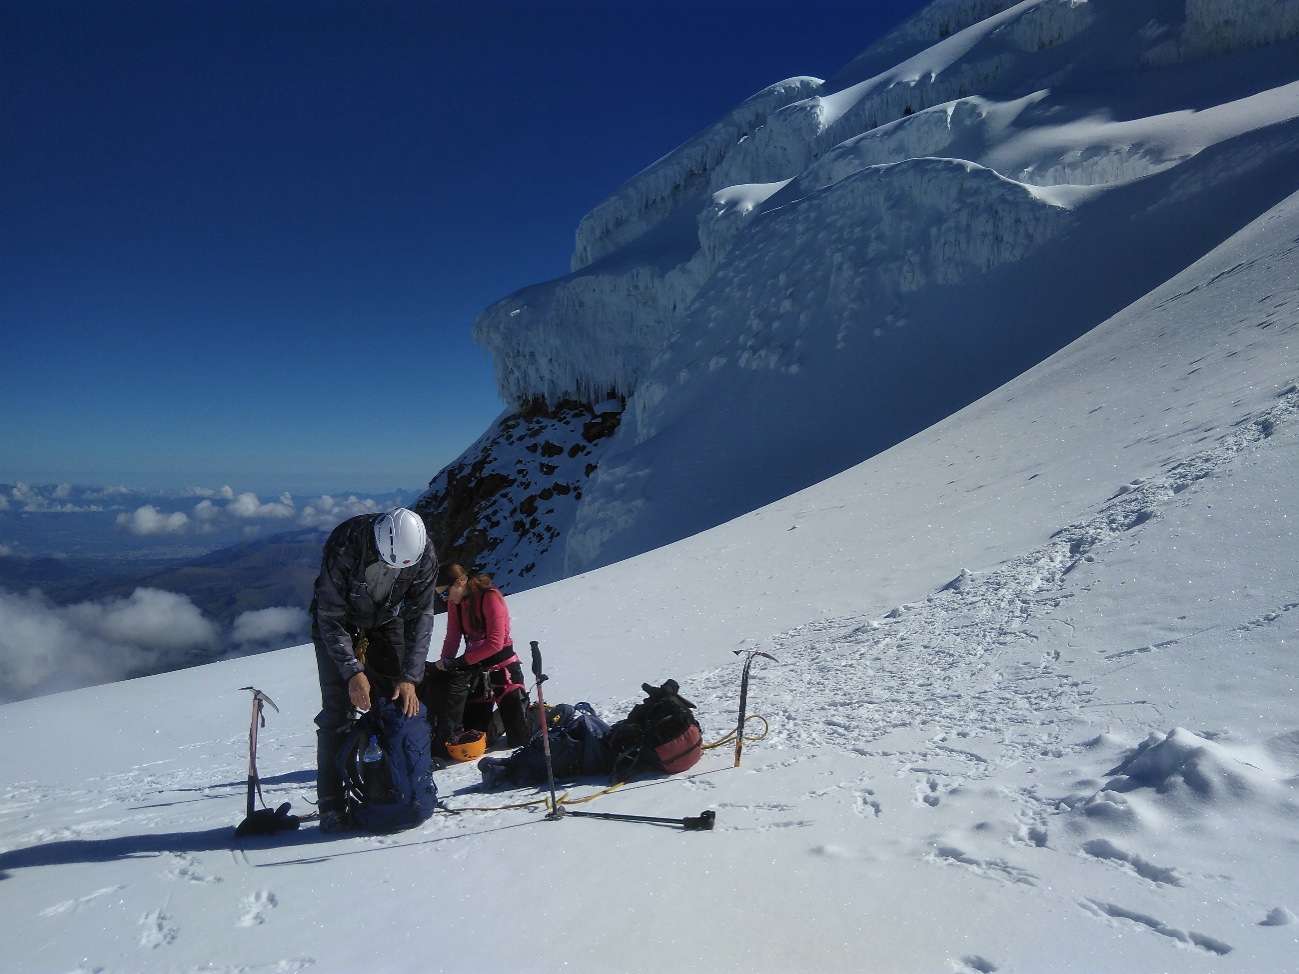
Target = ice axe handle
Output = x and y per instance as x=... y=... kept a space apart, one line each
x=536 y=663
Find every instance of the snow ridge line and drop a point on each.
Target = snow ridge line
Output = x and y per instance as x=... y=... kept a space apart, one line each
x=959 y=667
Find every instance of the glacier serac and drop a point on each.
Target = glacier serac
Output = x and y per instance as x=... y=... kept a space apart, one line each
x=834 y=265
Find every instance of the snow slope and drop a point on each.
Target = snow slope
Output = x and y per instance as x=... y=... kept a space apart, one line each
x=855 y=259
x=1035 y=710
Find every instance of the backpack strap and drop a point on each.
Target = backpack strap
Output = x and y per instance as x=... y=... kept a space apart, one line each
x=349 y=762
x=627 y=743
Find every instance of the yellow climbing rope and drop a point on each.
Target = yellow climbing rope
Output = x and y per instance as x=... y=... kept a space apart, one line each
x=730 y=738
x=544 y=800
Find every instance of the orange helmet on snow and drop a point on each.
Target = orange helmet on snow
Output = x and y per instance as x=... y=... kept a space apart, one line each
x=467 y=746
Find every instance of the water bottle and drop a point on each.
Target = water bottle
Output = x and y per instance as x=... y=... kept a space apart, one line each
x=373 y=752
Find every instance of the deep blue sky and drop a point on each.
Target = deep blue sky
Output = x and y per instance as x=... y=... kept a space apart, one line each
x=244 y=242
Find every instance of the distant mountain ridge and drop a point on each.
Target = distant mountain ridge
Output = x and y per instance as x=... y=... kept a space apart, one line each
x=278 y=570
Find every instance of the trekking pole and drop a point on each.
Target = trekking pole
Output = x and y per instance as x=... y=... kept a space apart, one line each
x=555 y=811
x=744 y=698
x=703 y=822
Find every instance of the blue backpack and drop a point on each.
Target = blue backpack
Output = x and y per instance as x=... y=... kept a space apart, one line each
x=386 y=764
x=577 y=749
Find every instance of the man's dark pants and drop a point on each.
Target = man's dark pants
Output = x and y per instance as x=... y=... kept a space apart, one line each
x=334 y=710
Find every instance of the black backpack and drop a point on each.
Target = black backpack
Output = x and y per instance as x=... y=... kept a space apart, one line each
x=660 y=734
x=576 y=734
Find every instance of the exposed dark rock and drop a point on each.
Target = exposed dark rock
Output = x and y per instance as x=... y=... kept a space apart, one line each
x=603 y=425
x=484 y=509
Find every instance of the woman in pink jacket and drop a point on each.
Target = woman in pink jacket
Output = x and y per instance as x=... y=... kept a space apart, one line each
x=478 y=617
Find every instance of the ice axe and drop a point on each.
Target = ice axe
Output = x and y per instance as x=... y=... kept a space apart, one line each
x=261 y=821
x=744 y=697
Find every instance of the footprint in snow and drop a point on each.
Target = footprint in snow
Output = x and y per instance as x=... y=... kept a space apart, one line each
x=696 y=785
x=974 y=964
x=1034 y=835
x=1190 y=937
x=867 y=805
x=758 y=806
x=156 y=930
x=997 y=869
x=1278 y=916
x=927 y=793
x=187 y=868
x=256 y=906
x=69 y=906
x=831 y=851
x=800 y=823
x=1105 y=849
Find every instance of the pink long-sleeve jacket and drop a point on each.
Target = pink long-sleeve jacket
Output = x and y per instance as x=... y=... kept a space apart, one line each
x=479 y=645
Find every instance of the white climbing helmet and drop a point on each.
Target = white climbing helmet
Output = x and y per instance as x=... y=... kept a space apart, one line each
x=400 y=537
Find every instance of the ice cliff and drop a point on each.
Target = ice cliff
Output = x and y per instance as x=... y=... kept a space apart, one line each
x=834 y=265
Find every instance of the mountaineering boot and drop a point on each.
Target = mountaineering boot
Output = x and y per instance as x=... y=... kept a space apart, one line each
x=335 y=821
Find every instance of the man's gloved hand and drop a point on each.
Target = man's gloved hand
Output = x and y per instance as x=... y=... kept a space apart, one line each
x=358 y=691
x=405 y=694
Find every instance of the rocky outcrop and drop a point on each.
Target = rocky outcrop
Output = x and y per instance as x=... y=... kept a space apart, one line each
x=505 y=501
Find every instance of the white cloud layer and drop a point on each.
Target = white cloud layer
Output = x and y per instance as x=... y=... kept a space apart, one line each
x=148 y=520
x=44 y=647
x=205 y=512
x=220 y=509
x=47 y=499
x=247 y=505
x=216 y=509
x=280 y=624
x=326 y=511
x=227 y=492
